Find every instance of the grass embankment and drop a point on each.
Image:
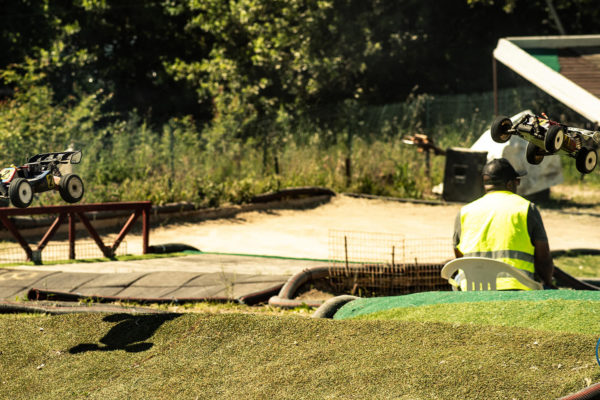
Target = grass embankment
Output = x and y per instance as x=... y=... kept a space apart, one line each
x=256 y=357
x=510 y=349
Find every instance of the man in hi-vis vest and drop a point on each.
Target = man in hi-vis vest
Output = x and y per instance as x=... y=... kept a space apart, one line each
x=504 y=226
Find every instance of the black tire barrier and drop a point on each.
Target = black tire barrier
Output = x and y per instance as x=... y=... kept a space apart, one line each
x=575 y=252
x=292 y=193
x=54 y=308
x=35 y=294
x=170 y=248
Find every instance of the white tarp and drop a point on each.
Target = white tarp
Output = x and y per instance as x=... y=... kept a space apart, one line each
x=510 y=52
x=539 y=177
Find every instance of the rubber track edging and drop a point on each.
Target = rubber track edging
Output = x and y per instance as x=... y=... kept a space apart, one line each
x=589 y=393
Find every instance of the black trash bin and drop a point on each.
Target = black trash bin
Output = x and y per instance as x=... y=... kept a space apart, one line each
x=462 y=174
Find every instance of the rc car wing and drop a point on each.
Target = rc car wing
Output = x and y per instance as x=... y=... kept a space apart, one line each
x=63 y=157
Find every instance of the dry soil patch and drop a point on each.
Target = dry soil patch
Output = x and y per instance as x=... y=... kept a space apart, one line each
x=305 y=233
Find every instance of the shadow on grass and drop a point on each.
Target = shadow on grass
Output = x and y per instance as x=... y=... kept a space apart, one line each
x=129 y=334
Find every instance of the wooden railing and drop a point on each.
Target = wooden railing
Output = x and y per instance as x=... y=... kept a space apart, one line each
x=69 y=214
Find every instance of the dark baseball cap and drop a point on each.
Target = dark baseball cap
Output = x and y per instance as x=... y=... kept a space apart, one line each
x=499 y=171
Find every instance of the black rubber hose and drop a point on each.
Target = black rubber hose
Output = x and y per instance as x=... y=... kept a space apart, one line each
x=289 y=290
x=331 y=306
x=292 y=193
x=285 y=298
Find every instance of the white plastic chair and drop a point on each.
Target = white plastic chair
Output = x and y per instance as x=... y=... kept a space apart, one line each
x=481 y=273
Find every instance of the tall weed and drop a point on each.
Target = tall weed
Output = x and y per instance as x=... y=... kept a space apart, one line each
x=347 y=148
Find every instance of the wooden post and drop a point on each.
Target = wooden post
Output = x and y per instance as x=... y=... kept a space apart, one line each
x=346 y=254
x=348 y=171
x=15 y=232
x=71 y=236
x=145 y=229
x=53 y=228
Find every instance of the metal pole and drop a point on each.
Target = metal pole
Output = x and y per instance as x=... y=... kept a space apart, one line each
x=346 y=254
x=556 y=18
x=495 y=84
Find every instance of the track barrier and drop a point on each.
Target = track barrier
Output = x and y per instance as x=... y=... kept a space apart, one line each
x=69 y=214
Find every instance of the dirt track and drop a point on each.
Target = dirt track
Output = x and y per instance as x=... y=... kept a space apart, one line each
x=304 y=233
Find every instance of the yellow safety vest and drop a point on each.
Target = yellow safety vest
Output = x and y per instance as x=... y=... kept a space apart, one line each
x=495 y=226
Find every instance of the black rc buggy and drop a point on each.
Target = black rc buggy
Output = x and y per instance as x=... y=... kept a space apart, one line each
x=547 y=137
x=41 y=173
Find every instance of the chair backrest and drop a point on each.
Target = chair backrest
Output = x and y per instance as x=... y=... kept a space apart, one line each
x=481 y=273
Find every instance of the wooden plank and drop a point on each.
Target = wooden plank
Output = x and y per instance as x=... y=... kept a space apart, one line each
x=138 y=207
x=105 y=250
x=51 y=231
x=126 y=228
x=15 y=232
x=77 y=208
x=71 y=236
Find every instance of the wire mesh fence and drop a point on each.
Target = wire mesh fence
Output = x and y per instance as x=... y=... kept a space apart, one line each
x=381 y=264
x=84 y=249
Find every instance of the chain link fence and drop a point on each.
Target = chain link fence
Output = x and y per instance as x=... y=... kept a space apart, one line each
x=84 y=249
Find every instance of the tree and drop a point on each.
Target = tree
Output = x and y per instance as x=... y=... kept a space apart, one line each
x=577 y=17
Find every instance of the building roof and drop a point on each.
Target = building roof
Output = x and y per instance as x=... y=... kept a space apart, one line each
x=565 y=67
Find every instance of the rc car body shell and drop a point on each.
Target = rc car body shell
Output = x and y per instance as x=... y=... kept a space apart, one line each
x=547 y=137
x=41 y=173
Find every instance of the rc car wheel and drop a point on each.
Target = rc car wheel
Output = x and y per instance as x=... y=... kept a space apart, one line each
x=20 y=193
x=500 y=129
x=586 y=160
x=534 y=154
x=71 y=188
x=555 y=136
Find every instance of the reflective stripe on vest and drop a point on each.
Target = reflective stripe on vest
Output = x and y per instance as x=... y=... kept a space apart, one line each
x=495 y=226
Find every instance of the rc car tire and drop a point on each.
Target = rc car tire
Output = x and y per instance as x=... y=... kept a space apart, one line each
x=500 y=129
x=555 y=137
x=534 y=155
x=20 y=193
x=71 y=188
x=586 y=160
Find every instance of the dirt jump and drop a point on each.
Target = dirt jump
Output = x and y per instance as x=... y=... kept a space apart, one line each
x=304 y=233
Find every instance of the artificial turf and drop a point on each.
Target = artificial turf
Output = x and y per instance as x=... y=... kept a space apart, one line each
x=364 y=306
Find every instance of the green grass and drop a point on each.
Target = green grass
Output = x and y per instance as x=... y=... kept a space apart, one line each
x=241 y=356
x=579 y=266
x=492 y=350
x=574 y=316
